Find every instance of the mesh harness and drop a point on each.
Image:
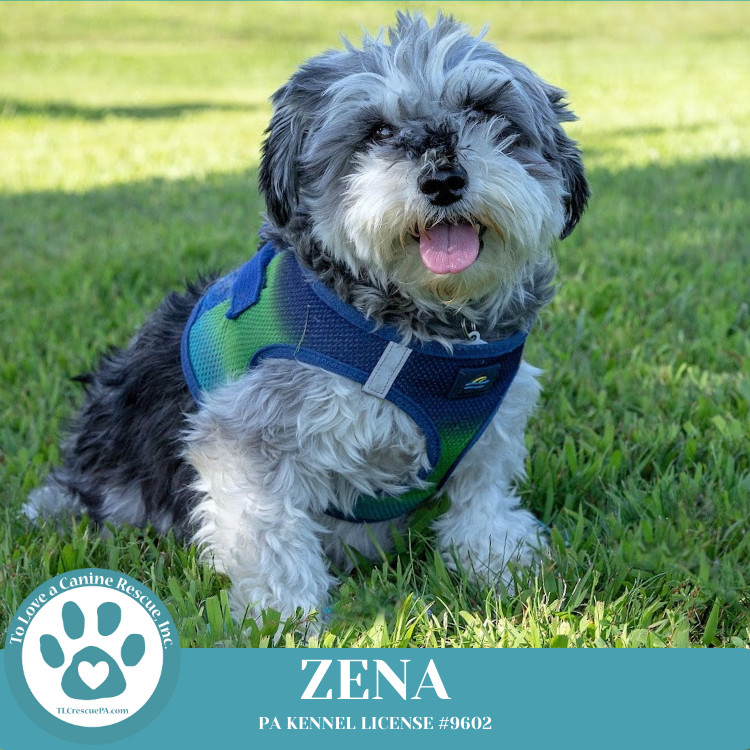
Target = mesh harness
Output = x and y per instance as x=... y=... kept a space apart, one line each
x=273 y=308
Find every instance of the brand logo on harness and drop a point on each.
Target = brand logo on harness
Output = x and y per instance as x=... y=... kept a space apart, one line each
x=474 y=381
x=477 y=383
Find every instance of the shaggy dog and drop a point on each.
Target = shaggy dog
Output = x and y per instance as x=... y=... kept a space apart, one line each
x=368 y=357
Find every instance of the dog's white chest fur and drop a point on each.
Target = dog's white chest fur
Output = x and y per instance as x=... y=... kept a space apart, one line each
x=337 y=441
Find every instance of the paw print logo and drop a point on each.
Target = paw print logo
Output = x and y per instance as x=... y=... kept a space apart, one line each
x=92 y=672
x=92 y=655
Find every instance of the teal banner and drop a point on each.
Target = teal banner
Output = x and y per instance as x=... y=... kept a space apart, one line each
x=370 y=698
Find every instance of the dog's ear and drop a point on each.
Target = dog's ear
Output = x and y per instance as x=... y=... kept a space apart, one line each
x=545 y=107
x=575 y=181
x=567 y=157
x=297 y=106
x=281 y=151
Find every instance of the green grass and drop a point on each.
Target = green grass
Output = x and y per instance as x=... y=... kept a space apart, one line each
x=130 y=137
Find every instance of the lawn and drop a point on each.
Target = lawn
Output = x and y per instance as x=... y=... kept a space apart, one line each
x=129 y=144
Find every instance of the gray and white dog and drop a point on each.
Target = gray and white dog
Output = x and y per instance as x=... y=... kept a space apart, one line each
x=420 y=183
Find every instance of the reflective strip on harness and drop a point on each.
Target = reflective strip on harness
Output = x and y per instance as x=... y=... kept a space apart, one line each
x=386 y=370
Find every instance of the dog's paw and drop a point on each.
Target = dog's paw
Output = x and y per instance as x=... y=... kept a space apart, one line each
x=491 y=555
x=272 y=612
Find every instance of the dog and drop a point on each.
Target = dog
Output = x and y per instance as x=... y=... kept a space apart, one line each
x=369 y=356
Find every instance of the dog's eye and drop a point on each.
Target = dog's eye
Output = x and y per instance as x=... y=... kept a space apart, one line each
x=521 y=139
x=382 y=132
x=479 y=107
x=481 y=112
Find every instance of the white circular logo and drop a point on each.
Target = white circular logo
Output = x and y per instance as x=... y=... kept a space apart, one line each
x=89 y=652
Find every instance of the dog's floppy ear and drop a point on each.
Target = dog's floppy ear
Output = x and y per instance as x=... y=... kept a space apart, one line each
x=281 y=151
x=568 y=160
x=575 y=181
x=561 y=152
x=296 y=105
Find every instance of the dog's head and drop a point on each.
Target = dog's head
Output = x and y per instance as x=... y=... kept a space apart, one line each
x=431 y=161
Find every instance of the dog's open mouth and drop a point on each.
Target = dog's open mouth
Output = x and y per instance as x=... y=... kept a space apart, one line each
x=450 y=248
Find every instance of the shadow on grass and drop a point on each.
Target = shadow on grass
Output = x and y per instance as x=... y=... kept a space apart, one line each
x=150 y=226
x=71 y=111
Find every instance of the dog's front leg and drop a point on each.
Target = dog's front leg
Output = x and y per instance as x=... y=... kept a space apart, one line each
x=259 y=536
x=485 y=528
x=253 y=517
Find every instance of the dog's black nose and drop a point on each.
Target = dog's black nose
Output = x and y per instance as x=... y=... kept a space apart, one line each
x=445 y=185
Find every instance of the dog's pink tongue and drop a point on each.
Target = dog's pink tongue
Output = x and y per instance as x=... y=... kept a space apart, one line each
x=449 y=248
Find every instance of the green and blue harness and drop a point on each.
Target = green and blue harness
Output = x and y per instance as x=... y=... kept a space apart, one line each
x=274 y=308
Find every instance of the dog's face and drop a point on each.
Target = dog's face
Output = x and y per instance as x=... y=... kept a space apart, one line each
x=432 y=161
